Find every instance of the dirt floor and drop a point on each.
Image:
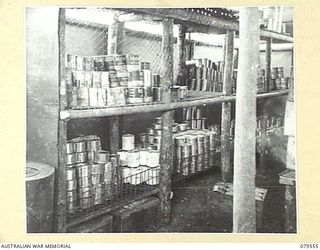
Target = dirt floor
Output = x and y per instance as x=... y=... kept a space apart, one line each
x=195 y=208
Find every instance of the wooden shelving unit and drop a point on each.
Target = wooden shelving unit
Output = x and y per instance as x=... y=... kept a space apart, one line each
x=189 y=21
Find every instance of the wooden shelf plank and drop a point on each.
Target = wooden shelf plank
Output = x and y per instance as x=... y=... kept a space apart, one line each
x=184 y=16
x=189 y=102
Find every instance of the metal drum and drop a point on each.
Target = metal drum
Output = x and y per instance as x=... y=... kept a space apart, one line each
x=39 y=197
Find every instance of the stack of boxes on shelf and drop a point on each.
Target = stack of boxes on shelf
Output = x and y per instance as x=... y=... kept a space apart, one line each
x=278 y=80
x=204 y=75
x=93 y=176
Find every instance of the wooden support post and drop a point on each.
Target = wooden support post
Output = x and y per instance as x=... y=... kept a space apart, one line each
x=268 y=62
x=244 y=212
x=181 y=44
x=166 y=154
x=60 y=175
x=264 y=104
x=226 y=108
x=115 y=45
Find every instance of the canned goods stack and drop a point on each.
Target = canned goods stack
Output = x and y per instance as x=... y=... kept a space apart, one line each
x=92 y=179
x=278 y=80
x=110 y=80
x=274 y=125
x=194 y=117
x=179 y=93
x=195 y=150
x=139 y=163
x=205 y=75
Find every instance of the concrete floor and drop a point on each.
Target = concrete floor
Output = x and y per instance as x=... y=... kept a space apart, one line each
x=194 y=209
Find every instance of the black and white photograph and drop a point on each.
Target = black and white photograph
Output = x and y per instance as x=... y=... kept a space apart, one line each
x=160 y=120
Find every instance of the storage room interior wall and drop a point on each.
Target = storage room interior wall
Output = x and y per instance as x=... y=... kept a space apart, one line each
x=42 y=85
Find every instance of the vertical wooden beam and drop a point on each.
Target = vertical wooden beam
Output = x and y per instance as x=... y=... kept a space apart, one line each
x=60 y=175
x=226 y=107
x=264 y=104
x=268 y=62
x=166 y=154
x=244 y=212
x=181 y=44
x=115 y=45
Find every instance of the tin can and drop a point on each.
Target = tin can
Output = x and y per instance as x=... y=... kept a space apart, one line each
x=93 y=145
x=158 y=132
x=123 y=157
x=157 y=140
x=153 y=176
x=154 y=158
x=96 y=179
x=128 y=142
x=283 y=83
x=147 y=78
x=71 y=174
x=108 y=172
x=83 y=97
x=136 y=176
x=72 y=205
x=278 y=83
x=97 y=169
x=148 y=95
x=133 y=158
x=150 y=138
x=101 y=156
x=182 y=127
x=71 y=185
x=103 y=82
x=83 y=170
x=143 y=137
x=71 y=159
x=84 y=182
x=98 y=194
x=204 y=123
x=200 y=141
x=157 y=126
x=79 y=146
x=150 y=131
x=81 y=157
x=102 y=97
x=279 y=122
x=156 y=80
x=144 y=155
x=126 y=174
x=69 y=147
x=183 y=92
x=157 y=93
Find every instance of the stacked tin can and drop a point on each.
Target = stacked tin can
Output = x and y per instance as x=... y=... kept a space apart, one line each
x=179 y=93
x=139 y=164
x=195 y=150
x=205 y=75
x=80 y=151
x=110 y=80
x=194 y=117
